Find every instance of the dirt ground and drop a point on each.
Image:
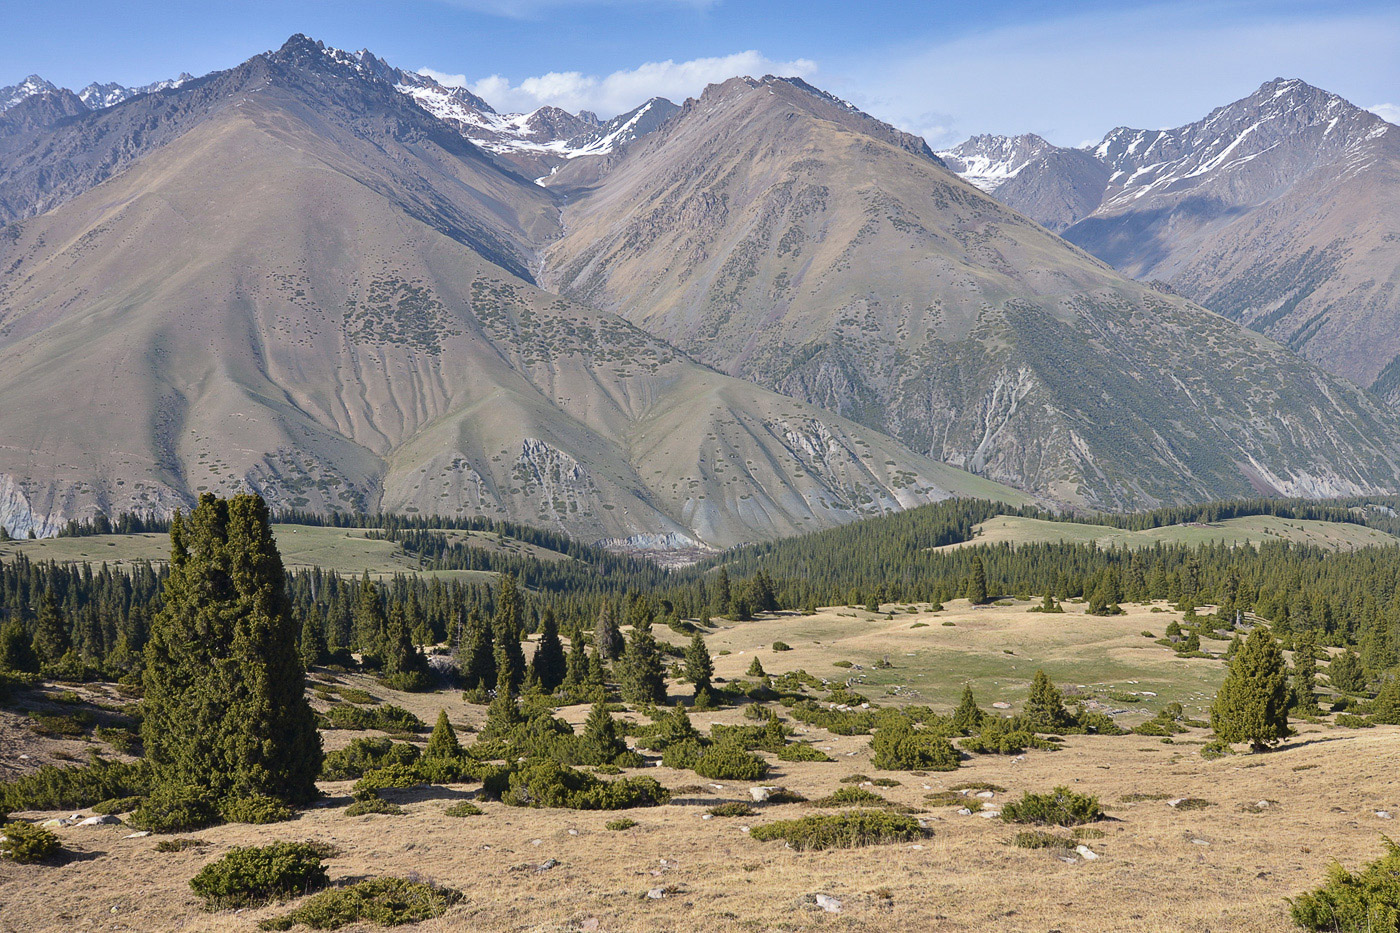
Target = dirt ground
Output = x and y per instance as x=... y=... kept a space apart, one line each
x=1227 y=867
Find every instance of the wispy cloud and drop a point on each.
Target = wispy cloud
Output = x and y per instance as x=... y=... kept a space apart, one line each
x=1388 y=112
x=1073 y=77
x=622 y=90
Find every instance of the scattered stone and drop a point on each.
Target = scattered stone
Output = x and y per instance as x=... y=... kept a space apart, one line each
x=1262 y=805
x=990 y=814
x=656 y=894
x=986 y=794
x=573 y=832
x=916 y=846
x=1383 y=814
x=589 y=925
x=964 y=811
x=1200 y=842
x=546 y=865
x=1088 y=854
x=761 y=794
x=138 y=835
x=1175 y=802
x=1001 y=705
x=829 y=904
x=105 y=819
x=535 y=842
x=707 y=816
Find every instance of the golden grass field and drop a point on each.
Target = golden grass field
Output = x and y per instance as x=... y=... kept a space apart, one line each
x=1227 y=867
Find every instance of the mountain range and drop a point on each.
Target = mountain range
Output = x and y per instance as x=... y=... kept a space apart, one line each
x=1280 y=211
x=349 y=287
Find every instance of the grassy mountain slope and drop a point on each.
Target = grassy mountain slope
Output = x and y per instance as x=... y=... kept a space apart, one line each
x=291 y=298
x=777 y=234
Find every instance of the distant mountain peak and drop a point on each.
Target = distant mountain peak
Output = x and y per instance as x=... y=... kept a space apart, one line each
x=34 y=84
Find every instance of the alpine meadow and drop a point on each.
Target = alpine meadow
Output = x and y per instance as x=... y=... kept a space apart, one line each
x=637 y=485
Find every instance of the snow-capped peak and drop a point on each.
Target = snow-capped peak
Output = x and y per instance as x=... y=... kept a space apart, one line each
x=10 y=96
x=989 y=161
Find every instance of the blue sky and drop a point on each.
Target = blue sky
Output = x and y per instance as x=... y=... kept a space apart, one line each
x=945 y=70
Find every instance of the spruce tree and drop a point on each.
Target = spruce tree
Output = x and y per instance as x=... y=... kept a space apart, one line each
x=1045 y=707
x=51 y=640
x=225 y=710
x=641 y=673
x=404 y=667
x=597 y=670
x=16 y=649
x=699 y=669
x=313 y=641
x=476 y=658
x=722 y=593
x=576 y=674
x=607 y=637
x=510 y=656
x=549 y=663
x=1252 y=705
x=755 y=668
x=967 y=718
x=503 y=716
x=600 y=743
x=443 y=742
x=977 y=583
x=369 y=621
x=1344 y=673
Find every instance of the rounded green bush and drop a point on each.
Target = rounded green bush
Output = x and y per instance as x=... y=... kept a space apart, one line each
x=254 y=875
x=842 y=830
x=27 y=843
x=175 y=809
x=727 y=763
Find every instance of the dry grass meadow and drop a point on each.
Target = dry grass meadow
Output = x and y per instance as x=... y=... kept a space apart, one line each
x=1226 y=867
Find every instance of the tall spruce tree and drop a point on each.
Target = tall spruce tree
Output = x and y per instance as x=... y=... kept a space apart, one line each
x=977 y=583
x=369 y=620
x=476 y=657
x=720 y=606
x=443 y=742
x=16 y=650
x=576 y=674
x=1303 y=690
x=1252 y=704
x=313 y=641
x=641 y=673
x=967 y=718
x=404 y=666
x=51 y=640
x=510 y=656
x=600 y=743
x=699 y=669
x=549 y=664
x=607 y=637
x=1045 y=707
x=225 y=710
x=1344 y=672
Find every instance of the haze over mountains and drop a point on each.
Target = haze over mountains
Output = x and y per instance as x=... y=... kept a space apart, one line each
x=349 y=287
x=1280 y=211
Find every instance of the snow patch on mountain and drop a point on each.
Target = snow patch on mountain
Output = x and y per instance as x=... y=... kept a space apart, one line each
x=10 y=96
x=990 y=161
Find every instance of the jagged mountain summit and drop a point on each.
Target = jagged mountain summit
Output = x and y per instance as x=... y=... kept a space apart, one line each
x=1054 y=185
x=290 y=278
x=780 y=235
x=1280 y=210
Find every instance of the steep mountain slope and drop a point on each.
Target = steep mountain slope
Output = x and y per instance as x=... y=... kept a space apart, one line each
x=1053 y=185
x=1280 y=210
x=307 y=291
x=780 y=235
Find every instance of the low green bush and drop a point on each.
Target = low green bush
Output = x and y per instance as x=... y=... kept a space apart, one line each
x=373 y=805
x=53 y=788
x=733 y=808
x=781 y=646
x=27 y=843
x=392 y=719
x=366 y=754
x=1060 y=807
x=253 y=875
x=1366 y=902
x=464 y=808
x=851 y=797
x=898 y=746
x=801 y=751
x=175 y=809
x=117 y=805
x=618 y=826
x=1040 y=839
x=179 y=845
x=396 y=775
x=386 y=902
x=257 y=809
x=541 y=782
x=841 y=830
x=729 y=763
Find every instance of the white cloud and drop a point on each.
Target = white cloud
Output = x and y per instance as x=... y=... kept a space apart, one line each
x=622 y=90
x=1076 y=76
x=1387 y=112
